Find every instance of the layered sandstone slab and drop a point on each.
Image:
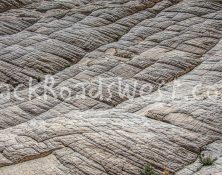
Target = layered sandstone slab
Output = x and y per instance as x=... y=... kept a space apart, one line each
x=83 y=43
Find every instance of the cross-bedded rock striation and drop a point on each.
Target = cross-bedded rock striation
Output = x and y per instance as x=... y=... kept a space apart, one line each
x=79 y=43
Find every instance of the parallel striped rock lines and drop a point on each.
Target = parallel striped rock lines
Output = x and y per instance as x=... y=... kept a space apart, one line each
x=83 y=42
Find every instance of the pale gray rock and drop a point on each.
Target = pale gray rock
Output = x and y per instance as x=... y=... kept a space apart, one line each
x=81 y=42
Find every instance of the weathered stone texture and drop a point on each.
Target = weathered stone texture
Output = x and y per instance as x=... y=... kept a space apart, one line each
x=78 y=42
